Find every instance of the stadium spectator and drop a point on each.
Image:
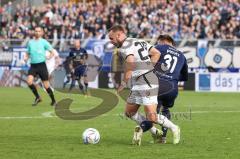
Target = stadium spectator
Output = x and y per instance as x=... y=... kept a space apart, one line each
x=180 y=18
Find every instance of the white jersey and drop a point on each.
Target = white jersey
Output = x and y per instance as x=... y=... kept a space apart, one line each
x=140 y=50
x=51 y=63
x=144 y=89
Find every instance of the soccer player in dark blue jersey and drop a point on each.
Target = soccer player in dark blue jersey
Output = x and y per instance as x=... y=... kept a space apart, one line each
x=78 y=66
x=171 y=68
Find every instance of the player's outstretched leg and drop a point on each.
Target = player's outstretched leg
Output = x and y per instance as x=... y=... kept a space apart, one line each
x=81 y=88
x=72 y=85
x=142 y=121
x=162 y=120
x=86 y=87
x=137 y=136
x=146 y=124
x=66 y=82
x=131 y=112
x=165 y=112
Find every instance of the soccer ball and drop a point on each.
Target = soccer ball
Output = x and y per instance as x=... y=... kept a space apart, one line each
x=91 y=136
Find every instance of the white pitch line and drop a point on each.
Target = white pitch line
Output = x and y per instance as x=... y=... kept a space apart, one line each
x=23 y=117
x=50 y=114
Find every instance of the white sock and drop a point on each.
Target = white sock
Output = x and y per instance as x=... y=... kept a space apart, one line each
x=153 y=130
x=139 y=118
x=162 y=120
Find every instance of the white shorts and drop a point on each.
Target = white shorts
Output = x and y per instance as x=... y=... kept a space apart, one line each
x=144 y=90
x=151 y=100
x=50 y=70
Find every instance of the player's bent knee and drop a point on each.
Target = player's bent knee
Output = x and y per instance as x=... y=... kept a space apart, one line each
x=46 y=84
x=152 y=118
x=29 y=82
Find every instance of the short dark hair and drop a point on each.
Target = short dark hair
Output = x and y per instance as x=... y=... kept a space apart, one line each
x=38 y=26
x=167 y=38
x=117 y=28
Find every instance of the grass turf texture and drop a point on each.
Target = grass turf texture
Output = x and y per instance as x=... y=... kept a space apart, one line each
x=212 y=131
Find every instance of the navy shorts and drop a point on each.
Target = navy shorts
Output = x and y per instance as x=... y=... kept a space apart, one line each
x=168 y=92
x=80 y=71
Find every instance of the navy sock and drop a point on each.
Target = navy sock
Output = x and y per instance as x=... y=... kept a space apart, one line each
x=158 y=108
x=166 y=113
x=146 y=125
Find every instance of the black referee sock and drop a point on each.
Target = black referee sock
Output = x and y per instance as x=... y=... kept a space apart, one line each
x=34 y=90
x=50 y=93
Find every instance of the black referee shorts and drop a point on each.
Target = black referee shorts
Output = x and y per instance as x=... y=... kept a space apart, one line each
x=39 y=69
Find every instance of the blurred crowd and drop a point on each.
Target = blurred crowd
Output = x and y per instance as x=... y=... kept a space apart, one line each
x=198 y=19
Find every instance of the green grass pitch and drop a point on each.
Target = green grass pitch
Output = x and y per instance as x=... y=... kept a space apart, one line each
x=211 y=131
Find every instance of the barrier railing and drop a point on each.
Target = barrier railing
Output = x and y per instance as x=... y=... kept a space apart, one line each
x=204 y=53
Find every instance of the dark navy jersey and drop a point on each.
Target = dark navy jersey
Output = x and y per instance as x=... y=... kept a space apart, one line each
x=66 y=64
x=78 y=57
x=172 y=64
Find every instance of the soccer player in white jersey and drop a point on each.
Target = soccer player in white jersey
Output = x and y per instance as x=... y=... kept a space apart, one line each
x=139 y=59
x=52 y=63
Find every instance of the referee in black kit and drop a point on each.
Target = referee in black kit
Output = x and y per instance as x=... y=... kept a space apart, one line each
x=36 y=52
